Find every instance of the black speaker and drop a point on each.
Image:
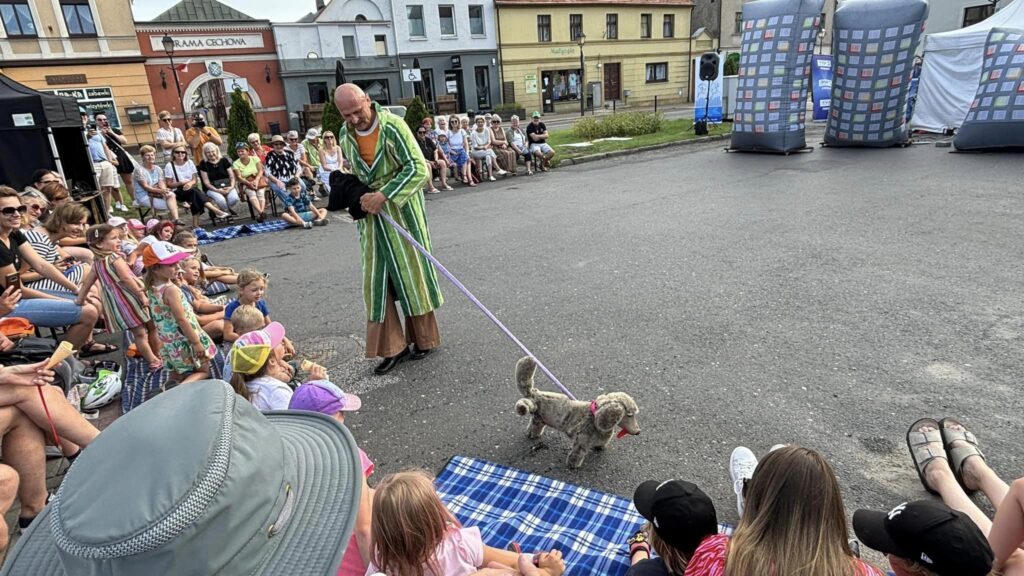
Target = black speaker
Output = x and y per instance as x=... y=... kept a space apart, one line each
x=709 y=66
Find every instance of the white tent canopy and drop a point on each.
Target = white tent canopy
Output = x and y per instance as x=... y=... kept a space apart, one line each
x=952 y=70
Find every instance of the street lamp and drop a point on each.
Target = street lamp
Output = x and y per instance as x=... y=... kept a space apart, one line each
x=583 y=85
x=168 y=44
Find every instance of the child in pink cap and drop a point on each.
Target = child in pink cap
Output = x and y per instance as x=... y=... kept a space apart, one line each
x=259 y=372
x=324 y=397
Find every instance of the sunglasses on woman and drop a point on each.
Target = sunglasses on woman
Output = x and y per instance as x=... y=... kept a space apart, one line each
x=180 y=152
x=36 y=207
x=12 y=210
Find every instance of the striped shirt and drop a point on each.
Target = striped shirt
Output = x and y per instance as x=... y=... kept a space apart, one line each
x=48 y=251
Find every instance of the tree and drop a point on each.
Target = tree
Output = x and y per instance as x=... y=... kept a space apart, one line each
x=331 y=119
x=241 y=121
x=415 y=113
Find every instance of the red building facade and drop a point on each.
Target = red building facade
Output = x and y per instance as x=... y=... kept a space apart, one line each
x=216 y=48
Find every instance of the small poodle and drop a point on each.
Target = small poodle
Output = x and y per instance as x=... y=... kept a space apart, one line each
x=589 y=424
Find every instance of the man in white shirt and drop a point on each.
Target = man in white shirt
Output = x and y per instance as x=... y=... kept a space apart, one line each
x=168 y=136
x=295 y=145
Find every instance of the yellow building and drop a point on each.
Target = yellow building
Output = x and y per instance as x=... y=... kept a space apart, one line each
x=84 y=49
x=632 y=52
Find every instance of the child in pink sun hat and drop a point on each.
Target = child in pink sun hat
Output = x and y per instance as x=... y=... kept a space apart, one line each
x=326 y=398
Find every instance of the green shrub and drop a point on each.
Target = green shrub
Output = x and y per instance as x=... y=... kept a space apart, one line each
x=508 y=107
x=618 y=125
x=241 y=121
x=331 y=118
x=415 y=114
x=732 y=64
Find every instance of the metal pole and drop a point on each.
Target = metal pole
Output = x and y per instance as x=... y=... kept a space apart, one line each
x=177 y=86
x=583 y=84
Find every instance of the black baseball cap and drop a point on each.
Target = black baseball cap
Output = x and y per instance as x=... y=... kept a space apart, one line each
x=930 y=533
x=682 y=514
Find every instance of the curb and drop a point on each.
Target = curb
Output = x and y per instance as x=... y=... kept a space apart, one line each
x=629 y=151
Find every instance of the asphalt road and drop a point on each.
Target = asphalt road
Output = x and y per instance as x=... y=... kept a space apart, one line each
x=825 y=299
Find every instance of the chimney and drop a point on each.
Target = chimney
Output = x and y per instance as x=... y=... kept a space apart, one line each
x=319 y=5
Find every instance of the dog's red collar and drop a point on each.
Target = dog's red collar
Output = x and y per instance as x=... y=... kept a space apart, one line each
x=593 y=410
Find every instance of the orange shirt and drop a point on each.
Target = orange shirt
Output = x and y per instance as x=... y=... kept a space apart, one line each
x=368 y=144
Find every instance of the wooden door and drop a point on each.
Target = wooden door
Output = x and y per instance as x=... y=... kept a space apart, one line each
x=612 y=83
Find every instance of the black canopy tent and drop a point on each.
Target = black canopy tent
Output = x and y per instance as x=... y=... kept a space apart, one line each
x=39 y=130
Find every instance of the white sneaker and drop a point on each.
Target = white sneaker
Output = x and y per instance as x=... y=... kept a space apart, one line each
x=492 y=179
x=120 y=206
x=307 y=225
x=742 y=463
x=502 y=172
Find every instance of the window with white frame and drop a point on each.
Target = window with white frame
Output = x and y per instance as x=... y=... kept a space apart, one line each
x=611 y=26
x=447 y=15
x=657 y=72
x=975 y=14
x=543 y=28
x=414 y=14
x=476 y=19
x=78 y=17
x=17 y=19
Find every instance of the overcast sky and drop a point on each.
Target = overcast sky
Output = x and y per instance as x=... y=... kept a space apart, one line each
x=275 y=10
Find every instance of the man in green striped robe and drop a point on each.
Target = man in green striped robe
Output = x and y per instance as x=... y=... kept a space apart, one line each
x=383 y=153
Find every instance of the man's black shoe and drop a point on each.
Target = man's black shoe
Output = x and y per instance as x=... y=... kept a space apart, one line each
x=417 y=353
x=389 y=363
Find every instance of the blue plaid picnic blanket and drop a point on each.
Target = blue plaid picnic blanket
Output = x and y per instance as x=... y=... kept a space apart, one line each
x=509 y=505
x=209 y=237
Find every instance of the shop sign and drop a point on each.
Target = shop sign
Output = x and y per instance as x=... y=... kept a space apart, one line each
x=531 y=83
x=25 y=119
x=563 y=51
x=209 y=42
x=66 y=79
x=94 y=100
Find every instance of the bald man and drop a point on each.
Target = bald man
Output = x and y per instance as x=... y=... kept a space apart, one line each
x=385 y=157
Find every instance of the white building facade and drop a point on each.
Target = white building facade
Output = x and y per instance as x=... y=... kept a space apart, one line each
x=455 y=44
x=359 y=34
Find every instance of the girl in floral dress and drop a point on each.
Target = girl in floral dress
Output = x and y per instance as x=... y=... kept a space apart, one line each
x=185 y=348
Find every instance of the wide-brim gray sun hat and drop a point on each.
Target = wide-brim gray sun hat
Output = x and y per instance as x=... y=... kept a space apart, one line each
x=194 y=482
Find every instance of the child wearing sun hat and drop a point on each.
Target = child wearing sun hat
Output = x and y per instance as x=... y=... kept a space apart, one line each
x=326 y=398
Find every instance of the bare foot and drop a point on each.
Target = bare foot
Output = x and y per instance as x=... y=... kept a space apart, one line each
x=937 y=471
x=972 y=466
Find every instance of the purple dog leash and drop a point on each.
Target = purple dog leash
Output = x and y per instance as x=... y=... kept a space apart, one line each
x=440 y=267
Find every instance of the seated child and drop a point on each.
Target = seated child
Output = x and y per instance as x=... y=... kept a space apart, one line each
x=326 y=398
x=252 y=285
x=259 y=372
x=408 y=499
x=299 y=209
x=185 y=349
x=247 y=318
x=925 y=538
x=210 y=315
x=209 y=273
x=685 y=517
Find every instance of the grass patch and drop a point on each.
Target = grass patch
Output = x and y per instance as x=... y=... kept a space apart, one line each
x=671 y=131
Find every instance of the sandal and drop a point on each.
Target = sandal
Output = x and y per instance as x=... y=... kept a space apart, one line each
x=94 y=348
x=959 y=454
x=921 y=450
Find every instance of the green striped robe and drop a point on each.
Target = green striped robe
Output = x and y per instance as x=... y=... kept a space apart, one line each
x=400 y=172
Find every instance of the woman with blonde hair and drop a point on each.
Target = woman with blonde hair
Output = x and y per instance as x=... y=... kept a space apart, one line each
x=219 y=179
x=500 y=145
x=439 y=545
x=793 y=524
x=331 y=158
x=150 y=188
